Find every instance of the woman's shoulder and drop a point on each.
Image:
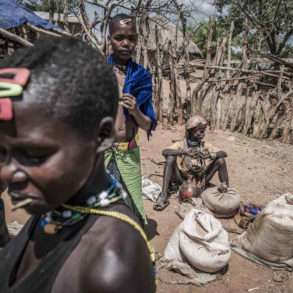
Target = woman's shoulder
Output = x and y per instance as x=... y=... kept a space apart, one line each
x=116 y=252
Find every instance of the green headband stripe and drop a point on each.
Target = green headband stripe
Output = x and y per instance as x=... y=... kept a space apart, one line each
x=10 y=90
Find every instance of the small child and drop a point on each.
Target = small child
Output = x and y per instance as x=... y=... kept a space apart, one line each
x=58 y=102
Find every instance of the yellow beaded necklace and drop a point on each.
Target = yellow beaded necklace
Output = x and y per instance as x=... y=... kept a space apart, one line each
x=116 y=215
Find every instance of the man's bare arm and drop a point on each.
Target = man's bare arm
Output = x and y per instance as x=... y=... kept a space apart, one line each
x=129 y=102
x=218 y=155
x=172 y=152
x=120 y=126
x=142 y=120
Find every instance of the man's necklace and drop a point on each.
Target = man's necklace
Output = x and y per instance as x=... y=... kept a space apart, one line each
x=193 y=143
x=122 y=68
x=56 y=220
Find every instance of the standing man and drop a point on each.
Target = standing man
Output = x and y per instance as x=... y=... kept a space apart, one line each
x=135 y=109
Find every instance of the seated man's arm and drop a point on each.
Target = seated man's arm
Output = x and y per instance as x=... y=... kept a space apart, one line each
x=215 y=152
x=221 y=154
x=172 y=152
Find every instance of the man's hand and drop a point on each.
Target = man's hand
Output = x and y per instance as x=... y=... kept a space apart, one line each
x=188 y=152
x=128 y=101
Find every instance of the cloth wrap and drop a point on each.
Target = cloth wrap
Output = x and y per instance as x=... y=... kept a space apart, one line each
x=138 y=82
x=128 y=164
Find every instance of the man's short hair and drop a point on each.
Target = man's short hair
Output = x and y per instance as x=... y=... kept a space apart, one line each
x=121 y=18
x=71 y=79
x=196 y=121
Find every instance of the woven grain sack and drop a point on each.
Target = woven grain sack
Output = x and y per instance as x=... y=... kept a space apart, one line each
x=201 y=241
x=172 y=251
x=204 y=242
x=270 y=236
x=221 y=204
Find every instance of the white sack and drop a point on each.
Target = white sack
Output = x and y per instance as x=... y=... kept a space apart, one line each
x=221 y=204
x=270 y=236
x=200 y=240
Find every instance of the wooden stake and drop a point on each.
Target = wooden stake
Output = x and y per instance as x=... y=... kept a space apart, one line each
x=229 y=48
x=42 y=31
x=15 y=38
x=208 y=46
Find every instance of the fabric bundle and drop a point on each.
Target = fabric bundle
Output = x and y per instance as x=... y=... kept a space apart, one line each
x=138 y=82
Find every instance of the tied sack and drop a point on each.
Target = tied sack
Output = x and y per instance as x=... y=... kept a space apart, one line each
x=201 y=241
x=222 y=204
x=270 y=236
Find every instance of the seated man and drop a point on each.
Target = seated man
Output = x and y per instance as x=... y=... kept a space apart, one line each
x=192 y=158
x=56 y=120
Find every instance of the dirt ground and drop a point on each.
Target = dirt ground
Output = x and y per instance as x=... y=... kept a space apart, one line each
x=259 y=170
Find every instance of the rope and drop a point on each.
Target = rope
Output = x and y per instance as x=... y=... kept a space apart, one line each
x=116 y=215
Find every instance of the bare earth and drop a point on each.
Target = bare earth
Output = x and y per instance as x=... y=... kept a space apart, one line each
x=259 y=170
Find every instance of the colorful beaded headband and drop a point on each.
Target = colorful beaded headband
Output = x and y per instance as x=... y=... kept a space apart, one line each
x=12 y=83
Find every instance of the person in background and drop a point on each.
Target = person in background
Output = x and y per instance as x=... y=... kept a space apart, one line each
x=135 y=109
x=192 y=159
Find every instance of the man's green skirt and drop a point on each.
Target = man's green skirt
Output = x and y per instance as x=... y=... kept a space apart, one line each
x=129 y=167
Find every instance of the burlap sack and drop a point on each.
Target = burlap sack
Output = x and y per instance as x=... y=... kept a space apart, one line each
x=201 y=241
x=221 y=204
x=270 y=236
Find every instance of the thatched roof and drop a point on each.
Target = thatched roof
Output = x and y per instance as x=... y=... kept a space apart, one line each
x=167 y=32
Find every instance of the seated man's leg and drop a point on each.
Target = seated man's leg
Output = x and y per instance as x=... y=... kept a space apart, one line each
x=219 y=165
x=177 y=178
x=4 y=236
x=170 y=174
